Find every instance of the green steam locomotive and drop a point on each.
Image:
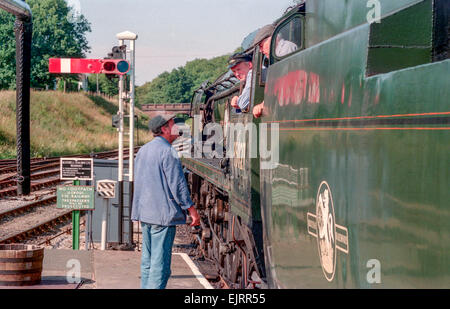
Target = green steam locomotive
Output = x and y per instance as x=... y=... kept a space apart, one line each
x=344 y=180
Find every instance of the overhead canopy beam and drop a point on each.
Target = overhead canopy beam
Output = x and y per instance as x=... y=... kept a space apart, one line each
x=18 y=8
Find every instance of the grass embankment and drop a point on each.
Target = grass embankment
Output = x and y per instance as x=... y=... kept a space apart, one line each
x=64 y=124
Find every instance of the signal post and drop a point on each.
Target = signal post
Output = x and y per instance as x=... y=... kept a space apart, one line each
x=132 y=37
x=90 y=66
x=116 y=64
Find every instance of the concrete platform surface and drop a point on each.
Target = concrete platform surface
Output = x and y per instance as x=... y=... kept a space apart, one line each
x=121 y=270
x=63 y=269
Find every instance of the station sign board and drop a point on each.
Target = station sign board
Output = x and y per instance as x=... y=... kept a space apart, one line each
x=76 y=169
x=75 y=197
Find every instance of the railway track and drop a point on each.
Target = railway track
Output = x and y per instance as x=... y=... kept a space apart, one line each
x=10 y=165
x=47 y=240
x=27 y=207
x=10 y=162
x=37 y=229
x=12 y=168
x=45 y=168
x=37 y=185
x=10 y=182
x=51 y=223
x=20 y=223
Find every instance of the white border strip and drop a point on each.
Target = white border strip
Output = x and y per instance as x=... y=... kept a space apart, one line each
x=66 y=65
x=312 y=223
x=344 y=235
x=195 y=270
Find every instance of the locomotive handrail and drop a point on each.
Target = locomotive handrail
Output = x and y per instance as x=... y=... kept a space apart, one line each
x=224 y=93
x=221 y=83
x=165 y=106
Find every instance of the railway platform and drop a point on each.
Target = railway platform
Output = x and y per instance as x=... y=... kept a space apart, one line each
x=110 y=269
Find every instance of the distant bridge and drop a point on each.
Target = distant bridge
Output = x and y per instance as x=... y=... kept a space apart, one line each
x=176 y=108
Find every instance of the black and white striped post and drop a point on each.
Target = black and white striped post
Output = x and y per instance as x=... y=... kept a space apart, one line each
x=107 y=189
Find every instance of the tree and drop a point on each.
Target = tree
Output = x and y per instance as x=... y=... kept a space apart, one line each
x=153 y=92
x=56 y=33
x=105 y=86
x=178 y=85
x=202 y=69
x=7 y=51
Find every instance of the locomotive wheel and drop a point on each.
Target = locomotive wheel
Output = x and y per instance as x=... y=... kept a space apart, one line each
x=223 y=240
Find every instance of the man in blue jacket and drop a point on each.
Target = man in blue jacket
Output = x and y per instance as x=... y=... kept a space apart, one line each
x=161 y=198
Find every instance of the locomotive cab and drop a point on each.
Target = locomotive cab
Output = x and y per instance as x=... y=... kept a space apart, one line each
x=226 y=186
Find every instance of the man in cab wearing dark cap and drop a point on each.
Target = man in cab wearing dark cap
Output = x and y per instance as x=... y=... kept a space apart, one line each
x=241 y=65
x=161 y=199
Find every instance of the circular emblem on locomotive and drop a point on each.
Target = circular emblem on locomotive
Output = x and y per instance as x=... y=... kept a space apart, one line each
x=326 y=230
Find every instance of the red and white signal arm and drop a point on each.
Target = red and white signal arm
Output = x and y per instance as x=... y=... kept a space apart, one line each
x=106 y=188
x=88 y=66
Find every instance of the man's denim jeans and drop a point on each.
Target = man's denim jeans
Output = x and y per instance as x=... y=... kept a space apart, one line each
x=157 y=242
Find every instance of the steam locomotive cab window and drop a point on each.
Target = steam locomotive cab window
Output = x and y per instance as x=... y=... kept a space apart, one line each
x=288 y=38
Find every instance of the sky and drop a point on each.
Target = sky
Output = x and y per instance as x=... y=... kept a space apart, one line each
x=173 y=32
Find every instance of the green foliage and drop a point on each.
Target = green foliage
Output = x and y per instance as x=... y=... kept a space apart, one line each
x=105 y=86
x=71 y=84
x=106 y=105
x=64 y=124
x=7 y=51
x=154 y=91
x=178 y=85
x=54 y=35
x=202 y=69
